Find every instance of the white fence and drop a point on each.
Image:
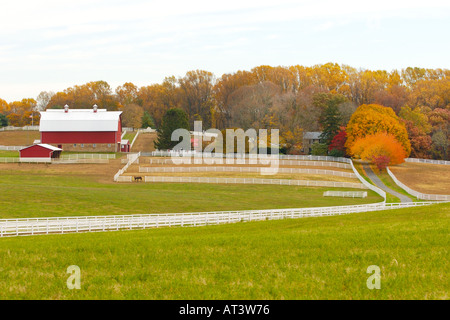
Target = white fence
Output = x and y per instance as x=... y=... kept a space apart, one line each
x=193 y=153
x=26 y=128
x=287 y=182
x=346 y=194
x=11 y=148
x=417 y=160
x=8 y=160
x=38 y=226
x=218 y=161
x=418 y=195
x=55 y=161
x=367 y=184
x=133 y=157
x=247 y=169
x=77 y=156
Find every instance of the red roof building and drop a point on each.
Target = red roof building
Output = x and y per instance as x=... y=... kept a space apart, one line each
x=82 y=129
x=39 y=153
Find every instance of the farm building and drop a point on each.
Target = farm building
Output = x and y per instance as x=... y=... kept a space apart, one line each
x=82 y=129
x=39 y=153
x=308 y=139
x=125 y=146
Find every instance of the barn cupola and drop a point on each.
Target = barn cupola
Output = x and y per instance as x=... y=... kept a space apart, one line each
x=95 y=108
x=66 y=108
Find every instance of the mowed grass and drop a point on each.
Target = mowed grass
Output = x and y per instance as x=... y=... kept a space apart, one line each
x=23 y=194
x=308 y=258
x=9 y=154
x=424 y=177
x=19 y=138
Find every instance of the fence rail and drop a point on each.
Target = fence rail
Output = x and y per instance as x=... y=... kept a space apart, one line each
x=418 y=195
x=367 y=184
x=346 y=194
x=39 y=226
x=25 y=128
x=287 y=182
x=220 y=161
x=11 y=148
x=133 y=157
x=246 y=169
x=417 y=160
x=76 y=156
x=193 y=153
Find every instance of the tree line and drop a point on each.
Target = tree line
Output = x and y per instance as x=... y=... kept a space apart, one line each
x=294 y=99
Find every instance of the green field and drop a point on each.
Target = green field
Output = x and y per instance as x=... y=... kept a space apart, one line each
x=44 y=195
x=309 y=258
x=9 y=154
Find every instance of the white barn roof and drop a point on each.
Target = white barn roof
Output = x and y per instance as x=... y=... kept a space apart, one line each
x=79 y=120
x=44 y=145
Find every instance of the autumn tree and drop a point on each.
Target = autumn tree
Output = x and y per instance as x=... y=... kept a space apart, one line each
x=196 y=95
x=378 y=147
x=371 y=119
x=132 y=116
x=337 y=146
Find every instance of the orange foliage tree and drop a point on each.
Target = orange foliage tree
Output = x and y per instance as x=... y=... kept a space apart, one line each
x=377 y=148
x=372 y=119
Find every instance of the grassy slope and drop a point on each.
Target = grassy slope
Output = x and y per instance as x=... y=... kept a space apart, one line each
x=26 y=195
x=310 y=258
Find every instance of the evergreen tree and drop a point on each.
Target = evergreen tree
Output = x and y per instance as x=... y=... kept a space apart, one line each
x=147 y=120
x=3 y=120
x=330 y=118
x=173 y=119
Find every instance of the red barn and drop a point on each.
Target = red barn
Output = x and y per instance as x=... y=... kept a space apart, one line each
x=39 y=153
x=82 y=129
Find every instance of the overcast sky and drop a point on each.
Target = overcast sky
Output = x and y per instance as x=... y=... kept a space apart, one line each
x=50 y=45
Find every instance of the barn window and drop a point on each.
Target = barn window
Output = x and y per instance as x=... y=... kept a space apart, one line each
x=82 y=145
x=74 y=144
x=109 y=145
x=94 y=145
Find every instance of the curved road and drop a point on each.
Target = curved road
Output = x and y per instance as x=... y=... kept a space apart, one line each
x=372 y=176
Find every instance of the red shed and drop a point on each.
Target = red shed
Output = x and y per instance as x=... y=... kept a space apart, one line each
x=39 y=153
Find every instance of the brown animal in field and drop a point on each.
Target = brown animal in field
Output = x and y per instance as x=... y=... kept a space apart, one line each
x=138 y=179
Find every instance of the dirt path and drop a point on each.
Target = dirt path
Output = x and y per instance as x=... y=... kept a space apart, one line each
x=372 y=176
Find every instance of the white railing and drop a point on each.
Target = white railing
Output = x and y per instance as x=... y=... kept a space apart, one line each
x=346 y=194
x=132 y=157
x=247 y=169
x=11 y=148
x=417 y=160
x=76 y=156
x=39 y=226
x=288 y=182
x=418 y=195
x=25 y=128
x=9 y=160
x=55 y=160
x=219 y=161
x=367 y=184
x=193 y=153
x=134 y=139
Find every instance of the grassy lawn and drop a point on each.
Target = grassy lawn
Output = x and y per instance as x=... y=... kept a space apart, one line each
x=9 y=154
x=129 y=136
x=24 y=194
x=309 y=258
x=387 y=180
